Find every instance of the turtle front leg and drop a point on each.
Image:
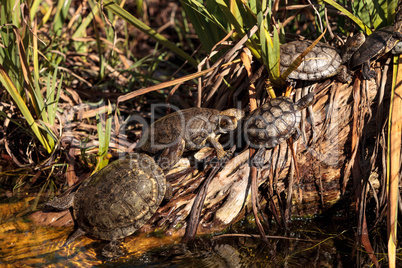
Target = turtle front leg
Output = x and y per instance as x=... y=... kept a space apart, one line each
x=77 y=233
x=367 y=73
x=343 y=74
x=221 y=154
x=297 y=134
x=171 y=155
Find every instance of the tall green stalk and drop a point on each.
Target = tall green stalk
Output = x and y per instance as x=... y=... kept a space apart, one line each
x=19 y=54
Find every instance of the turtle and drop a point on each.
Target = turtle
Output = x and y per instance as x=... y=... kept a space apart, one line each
x=273 y=123
x=116 y=201
x=323 y=61
x=187 y=130
x=377 y=44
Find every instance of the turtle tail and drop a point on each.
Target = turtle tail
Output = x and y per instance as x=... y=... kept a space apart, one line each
x=305 y=102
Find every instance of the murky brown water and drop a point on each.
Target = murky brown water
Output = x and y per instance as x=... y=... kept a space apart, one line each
x=26 y=244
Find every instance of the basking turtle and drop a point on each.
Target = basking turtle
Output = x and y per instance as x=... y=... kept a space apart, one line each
x=116 y=201
x=323 y=61
x=186 y=130
x=274 y=122
x=377 y=44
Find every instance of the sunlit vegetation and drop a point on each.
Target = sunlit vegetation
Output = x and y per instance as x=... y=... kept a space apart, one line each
x=78 y=78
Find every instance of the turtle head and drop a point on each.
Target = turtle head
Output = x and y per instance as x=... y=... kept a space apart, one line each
x=351 y=46
x=229 y=120
x=305 y=102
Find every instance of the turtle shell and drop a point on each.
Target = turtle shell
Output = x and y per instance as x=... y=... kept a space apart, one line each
x=272 y=123
x=321 y=62
x=378 y=43
x=120 y=198
x=275 y=121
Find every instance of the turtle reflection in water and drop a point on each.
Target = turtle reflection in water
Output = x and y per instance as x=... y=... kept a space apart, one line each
x=116 y=201
x=273 y=123
x=188 y=130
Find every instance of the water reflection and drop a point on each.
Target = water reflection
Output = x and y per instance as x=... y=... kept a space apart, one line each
x=26 y=244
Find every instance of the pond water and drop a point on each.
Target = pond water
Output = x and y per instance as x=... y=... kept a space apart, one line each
x=23 y=243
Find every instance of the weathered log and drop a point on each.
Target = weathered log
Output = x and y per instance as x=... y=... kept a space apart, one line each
x=317 y=186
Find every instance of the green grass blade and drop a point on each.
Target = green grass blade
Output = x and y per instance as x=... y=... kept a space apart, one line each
x=233 y=20
x=264 y=37
x=9 y=86
x=363 y=26
x=230 y=17
x=270 y=49
x=207 y=26
x=35 y=56
x=60 y=16
x=53 y=96
x=56 y=101
x=274 y=59
x=108 y=127
x=34 y=9
x=104 y=138
x=122 y=13
x=84 y=24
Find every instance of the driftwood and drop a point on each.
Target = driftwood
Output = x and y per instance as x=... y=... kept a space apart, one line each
x=317 y=183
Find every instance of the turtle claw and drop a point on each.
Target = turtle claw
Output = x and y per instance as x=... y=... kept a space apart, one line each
x=370 y=75
x=367 y=73
x=221 y=154
x=77 y=233
x=228 y=155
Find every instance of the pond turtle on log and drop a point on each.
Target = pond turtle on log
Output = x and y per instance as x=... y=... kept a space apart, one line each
x=188 y=130
x=376 y=45
x=323 y=61
x=116 y=201
x=273 y=123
